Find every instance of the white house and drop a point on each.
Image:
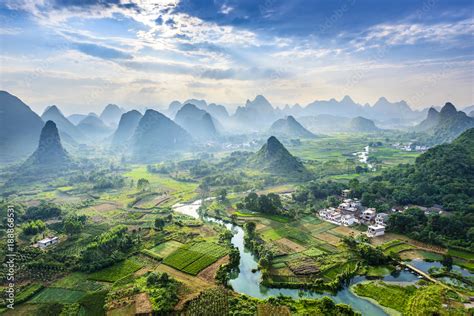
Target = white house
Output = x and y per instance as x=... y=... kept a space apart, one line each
x=368 y=215
x=381 y=219
x=375 y=230
x=346 y=193
x=347 y=220
x=43 y=243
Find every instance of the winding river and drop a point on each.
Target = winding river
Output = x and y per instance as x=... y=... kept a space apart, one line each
x=248 y=282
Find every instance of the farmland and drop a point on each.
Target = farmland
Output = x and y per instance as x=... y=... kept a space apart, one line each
x=57 y=295
x=117 y=271
x=192 y=258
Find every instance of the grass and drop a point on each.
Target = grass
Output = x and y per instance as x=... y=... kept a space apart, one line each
x=313 y=252
x=57 y=295
x=164 y=249
x=27 y=292
x=77 y=281
x=117 y=271
x=461 y=254
x=193 y=258
x=183 y=190
x=276 y=218
x=378 y=271
x=322 y=227
x=391 y=296
x=397 y=248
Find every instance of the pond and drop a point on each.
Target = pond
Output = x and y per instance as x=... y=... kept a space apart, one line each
x=248 y=282
x=426 y=265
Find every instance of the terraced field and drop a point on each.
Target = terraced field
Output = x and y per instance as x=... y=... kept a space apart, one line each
x=193 y=258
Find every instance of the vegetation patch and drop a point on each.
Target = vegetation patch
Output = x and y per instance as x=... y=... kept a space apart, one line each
x=194 y=257
x=57 y=295
x=391 y=296
x=117 y=271
x=164 y=249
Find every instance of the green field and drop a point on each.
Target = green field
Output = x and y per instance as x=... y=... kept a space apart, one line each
x=163 y=250
x=391 y=296
x=276 y=218
x=57 y=295
x=117 y=271
x=77 y=281
x=192 y=258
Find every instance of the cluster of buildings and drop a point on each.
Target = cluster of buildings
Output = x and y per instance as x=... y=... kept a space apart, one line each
x=410 y=147
x=351 y=212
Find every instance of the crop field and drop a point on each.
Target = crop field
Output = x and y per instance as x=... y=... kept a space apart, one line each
x=183 y=190
x=398 y=248
x=117 y=271
x=345 y=231
x=164 y=249
x=329 y=238
x=57 y=295
x=331 y=273
x=314 y=252
x=192 y=258
x=321 y=228
x=77 y=281
x=285 y=243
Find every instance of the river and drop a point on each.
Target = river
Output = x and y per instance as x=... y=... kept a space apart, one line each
x=248 y=282
x=363 y=157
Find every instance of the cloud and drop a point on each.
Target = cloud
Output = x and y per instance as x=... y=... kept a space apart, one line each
x=100 y=51
x=411 y=34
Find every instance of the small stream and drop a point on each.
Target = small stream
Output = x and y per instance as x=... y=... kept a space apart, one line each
x=363 y=157
x=248 y=282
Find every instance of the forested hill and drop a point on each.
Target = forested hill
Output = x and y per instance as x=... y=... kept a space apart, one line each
x=443 y=175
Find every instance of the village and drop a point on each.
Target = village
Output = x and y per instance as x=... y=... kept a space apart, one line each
x=351 y=212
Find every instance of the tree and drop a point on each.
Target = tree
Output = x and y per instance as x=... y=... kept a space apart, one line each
x=34 y=227
x=447 y=262
x=74 y=224
x=250 y=228
x=143 y=184
x=222 y=195
x=251 y=201
x=159 y=223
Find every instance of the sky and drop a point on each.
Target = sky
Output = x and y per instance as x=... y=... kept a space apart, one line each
x=82 y=55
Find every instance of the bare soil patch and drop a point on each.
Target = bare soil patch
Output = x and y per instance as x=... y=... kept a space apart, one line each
x=209 y=273
x=290 y=245
x=346 y=231
x=330 y=239
x=143 y=304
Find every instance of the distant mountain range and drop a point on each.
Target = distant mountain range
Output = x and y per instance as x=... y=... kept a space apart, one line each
x=259 y=114
x=445 y=125
x=197 y=122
